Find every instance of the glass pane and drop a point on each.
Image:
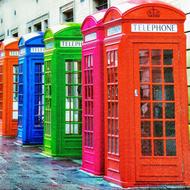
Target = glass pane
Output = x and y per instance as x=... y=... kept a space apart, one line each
x=188 y=58
x=144 y=74
x=170 y=110
x=157 y=92
x=168 y=75
x=158 y=129
x=145 y=110
x=169 y=92
x=156 y=74
x=170 y=148
x=68 y=66
x=188 y=76
x=170 y=129
x=144 y=57
x=158 y=148
x=145 y=92
x=168 y=57
x=157 y=110
x=156 y=57
x=146 y=147
x=145 y=129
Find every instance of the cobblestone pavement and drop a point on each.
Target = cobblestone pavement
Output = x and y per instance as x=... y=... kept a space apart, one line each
x=25 y=168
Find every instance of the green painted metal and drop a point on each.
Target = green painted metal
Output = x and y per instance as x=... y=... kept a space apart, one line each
x=62 y=95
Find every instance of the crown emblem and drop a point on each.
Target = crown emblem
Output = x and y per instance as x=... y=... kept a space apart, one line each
x=153 y=12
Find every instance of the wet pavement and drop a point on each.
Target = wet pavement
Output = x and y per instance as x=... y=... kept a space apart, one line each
x=26 y=168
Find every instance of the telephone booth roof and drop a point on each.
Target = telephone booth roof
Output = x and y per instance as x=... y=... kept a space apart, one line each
x=66 y=30
x=138 y=9
x=93 y=20
x=31 y=39
x=9 y=43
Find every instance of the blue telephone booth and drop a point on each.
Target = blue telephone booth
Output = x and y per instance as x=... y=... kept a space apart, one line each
x=31 y=81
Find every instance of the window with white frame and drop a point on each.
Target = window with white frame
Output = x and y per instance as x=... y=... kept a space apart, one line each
x=100 y=4
x=66 y=13
x=38 y=24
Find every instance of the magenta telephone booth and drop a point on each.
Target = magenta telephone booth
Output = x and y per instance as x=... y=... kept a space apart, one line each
x=92 y=93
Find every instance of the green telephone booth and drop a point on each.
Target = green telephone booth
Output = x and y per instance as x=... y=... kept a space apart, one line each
x=62 y=103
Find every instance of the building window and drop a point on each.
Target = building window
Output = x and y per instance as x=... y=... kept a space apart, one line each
x=14 y=32
x=38 y=24
x=66 y=13
x=45 y=24
x=29 y=29
x=2 y=37
x=38 y=27
x=100 y=4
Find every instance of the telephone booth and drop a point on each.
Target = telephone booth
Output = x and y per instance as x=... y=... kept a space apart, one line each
x=92 y=90
x=9 y=87
x=63 y=101
x=30 y=103
x=146 y=116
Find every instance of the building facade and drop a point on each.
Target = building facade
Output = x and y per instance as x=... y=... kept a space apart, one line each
x=18 y=17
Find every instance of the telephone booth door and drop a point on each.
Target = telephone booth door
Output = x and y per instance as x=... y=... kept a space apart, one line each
x=157 y=102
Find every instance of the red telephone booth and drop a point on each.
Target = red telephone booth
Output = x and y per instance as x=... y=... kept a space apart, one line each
x=146 y=123
x=92 y=89
x=9 y=87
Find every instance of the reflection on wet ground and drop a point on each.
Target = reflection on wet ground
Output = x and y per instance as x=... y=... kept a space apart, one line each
x=26 y=168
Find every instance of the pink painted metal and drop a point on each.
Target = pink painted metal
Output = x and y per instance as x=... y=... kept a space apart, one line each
x=92 y=93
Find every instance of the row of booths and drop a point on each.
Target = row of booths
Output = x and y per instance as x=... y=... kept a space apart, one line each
x=119 y=99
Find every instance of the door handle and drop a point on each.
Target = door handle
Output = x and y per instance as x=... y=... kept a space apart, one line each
x=136 y=92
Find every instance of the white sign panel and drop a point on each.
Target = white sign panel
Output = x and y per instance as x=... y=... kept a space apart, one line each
x=71 y=43
x=114 y=30
x=13 y=53
x=169 y=28
x=37 y=50
x=90 y=37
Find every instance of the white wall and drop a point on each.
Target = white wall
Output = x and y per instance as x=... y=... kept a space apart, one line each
x=28 y=10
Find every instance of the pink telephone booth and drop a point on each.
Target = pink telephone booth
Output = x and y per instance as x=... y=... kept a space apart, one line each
x=92 y=89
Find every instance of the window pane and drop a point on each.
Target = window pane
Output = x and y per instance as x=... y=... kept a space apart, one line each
x=158 y=129
x=145 y=92
x=144 y=57
x=157 y=92
x=156 y=74
x=144 y=74
x=168 y=75
x=156 y=57
x=170 y=129
x=157 y=110
x=146 y=147
x=158 y=148
x=168 y=57
x=145 y=110
x=169 y=92
x=170 y=110
x=145 y=129
x=170 y=148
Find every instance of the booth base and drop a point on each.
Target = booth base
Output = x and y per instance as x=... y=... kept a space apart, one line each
x=91 y=172
x=155 y=184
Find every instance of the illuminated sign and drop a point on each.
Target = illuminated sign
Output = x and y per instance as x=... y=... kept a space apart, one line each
x=13 y=53
x=71 y=43
x=90 y=37
x=169 y=28
x=114 y=30
x=37 y=50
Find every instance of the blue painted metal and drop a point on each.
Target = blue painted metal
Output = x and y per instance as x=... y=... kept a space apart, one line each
x=30 y=93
